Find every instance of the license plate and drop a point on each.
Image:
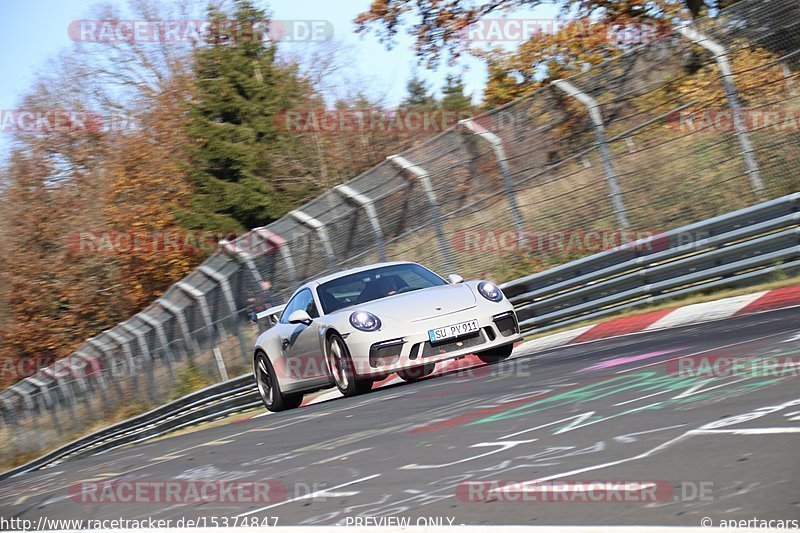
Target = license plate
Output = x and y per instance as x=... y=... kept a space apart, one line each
x=453 y=331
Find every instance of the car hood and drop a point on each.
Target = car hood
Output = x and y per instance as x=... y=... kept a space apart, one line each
x=422 y=304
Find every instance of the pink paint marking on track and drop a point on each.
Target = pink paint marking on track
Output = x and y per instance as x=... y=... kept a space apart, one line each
x=610 y=363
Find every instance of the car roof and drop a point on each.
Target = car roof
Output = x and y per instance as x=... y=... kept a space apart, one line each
x=355 y=270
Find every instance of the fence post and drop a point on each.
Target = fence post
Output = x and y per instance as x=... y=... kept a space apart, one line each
x=192 y=348
x=123 y=343
x=721 y=57
x=502 y=161
x=226 y=290
x=602 y=145
x=424 y=178
x=280 y=244
x=166 y=351
x=322 y=235
x=198 y=296
x=369 y=208
x=109 y=360
x=148 y=357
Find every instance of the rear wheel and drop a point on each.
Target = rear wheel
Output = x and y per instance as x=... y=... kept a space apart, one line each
x=417 y=372
x=342 y=369
x=269 y=388
x=495 y=355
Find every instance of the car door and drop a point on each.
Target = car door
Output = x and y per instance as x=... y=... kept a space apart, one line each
x=302 y=352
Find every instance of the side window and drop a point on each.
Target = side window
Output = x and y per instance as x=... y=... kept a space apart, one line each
x=302 y=300
x=311 y=307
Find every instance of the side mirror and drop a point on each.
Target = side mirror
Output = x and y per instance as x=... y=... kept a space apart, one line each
x=454 y=279
x=299 y=317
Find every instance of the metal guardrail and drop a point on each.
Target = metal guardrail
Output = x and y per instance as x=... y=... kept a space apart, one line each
x=736 y=248
x=210 y=403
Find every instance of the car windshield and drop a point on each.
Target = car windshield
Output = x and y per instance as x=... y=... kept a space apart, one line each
x=373 y=284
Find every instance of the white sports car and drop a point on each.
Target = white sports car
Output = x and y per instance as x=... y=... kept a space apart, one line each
x=356 y=327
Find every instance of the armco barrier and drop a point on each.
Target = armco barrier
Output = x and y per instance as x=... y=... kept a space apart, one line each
x=213 y=402
x=735 y=248
x=625 y=146
x=730 y=249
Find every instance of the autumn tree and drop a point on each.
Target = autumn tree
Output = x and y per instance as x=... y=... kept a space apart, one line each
x=590 y=32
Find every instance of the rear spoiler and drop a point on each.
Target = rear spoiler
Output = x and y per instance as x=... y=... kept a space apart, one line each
x=273 y=313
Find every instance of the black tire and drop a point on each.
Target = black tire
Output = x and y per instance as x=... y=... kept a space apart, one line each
x=495 y=355
x=417 y=372
x=269 y=388
x=341 y=367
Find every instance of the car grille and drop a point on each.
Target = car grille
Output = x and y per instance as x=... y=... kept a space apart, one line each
x=441 y=348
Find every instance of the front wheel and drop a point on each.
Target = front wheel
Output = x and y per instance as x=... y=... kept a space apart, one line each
x=417 y=372
x=342 y=369
x=269 y=388
x=495 y=355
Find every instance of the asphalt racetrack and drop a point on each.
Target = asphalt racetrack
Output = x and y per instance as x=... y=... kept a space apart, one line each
x=465 y=447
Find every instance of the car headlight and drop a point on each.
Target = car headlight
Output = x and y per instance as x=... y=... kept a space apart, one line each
x=365 y=321
x=490 y=291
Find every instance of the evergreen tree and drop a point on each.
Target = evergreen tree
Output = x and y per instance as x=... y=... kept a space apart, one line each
x=453 y=97
x=239 y=88
x=419 y=95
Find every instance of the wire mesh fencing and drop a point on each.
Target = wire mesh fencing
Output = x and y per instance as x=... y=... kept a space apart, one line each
x=692 y=125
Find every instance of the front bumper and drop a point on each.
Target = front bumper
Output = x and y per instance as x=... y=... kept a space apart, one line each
x=381 y=355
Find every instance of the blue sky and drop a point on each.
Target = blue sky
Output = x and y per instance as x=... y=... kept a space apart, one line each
x=36 y=30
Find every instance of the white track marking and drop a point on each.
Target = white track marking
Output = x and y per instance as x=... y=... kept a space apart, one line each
x=347 y=454
x=744 y=431
x=502 y=446
x=762 y=411
x=540 y=427
x=325 y=492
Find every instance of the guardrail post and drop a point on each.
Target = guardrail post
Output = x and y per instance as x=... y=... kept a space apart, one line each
x=721 y=57
x=602 y=145
x=322 y=235
x=200 y=298
x=424 y=178
x=502 y=161
x=369 y=208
